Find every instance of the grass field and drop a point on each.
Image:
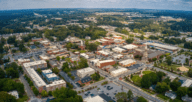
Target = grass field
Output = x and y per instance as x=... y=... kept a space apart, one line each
x=136 y=79
x=147 y=72
x=174 y=66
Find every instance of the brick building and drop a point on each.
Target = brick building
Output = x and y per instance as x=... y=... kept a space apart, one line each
x=103 y=63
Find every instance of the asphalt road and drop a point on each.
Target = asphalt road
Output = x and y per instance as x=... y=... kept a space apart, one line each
x=138 y=91
x=63 y=74
x=27 y=87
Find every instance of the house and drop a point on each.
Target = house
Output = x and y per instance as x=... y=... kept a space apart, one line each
x=187 y=83
x=14 y=93
x=171 y=94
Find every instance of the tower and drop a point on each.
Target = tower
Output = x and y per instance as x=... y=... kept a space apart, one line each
x=82 y=46
x=145 y=55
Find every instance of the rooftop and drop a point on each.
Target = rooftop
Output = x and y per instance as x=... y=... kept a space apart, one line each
x=104 y=61
x=34 y=63
x=56 y=83
x=128 y=61
x=47 y=71
x=53 y=75
x=85 y=70
x=130 y=46
x=119 y=70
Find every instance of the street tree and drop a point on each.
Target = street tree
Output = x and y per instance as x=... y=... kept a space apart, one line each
x=130 y=95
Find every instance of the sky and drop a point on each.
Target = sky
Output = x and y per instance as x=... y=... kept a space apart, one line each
x=140 y=4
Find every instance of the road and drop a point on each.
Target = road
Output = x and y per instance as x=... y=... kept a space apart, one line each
x=63 y=74
x=171 y=74
x=138 y=91
x=27 y=87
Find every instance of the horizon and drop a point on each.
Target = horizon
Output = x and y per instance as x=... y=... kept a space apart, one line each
x=183 y=5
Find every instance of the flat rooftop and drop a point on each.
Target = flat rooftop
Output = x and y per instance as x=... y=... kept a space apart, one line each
x=128 y=61
x=130 y=46
x=47 y=71
x=52 y=75
x=34 y=63
x=85 y=70
x=58 y=82
x=104 y=61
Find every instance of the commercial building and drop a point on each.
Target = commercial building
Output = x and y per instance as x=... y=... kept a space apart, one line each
x=119 y=72
x=118 y=50
x=163 y=47
x=84 y=55
x=21 y=61
x=36 y=64
x=103 y=53
x=130 y=48
x=103 y=63
x=94 y=99
x=127 y=63
x=85 y=72
x=56 y=84
x=118 y=56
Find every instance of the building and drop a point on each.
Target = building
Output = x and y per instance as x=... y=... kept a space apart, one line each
x=187 y=83
x=21 y=61
x=88 y=37
x=85 y=72
x=163 y=47
x=118 y=50
x=127 y=63
x=36 y=64
x=130 y=48
x=103 y=63
x=118 y=56
x=119 y=72
x=103 y=53
x=44 y=57
x=51 y=77
x=84 y=55
x=188 y=39
x=36 y=39
x=14 y=93
x=53 y=63
x=47 y=71
x=56 y=84
x=171 y=95
x=94 y=62
x=117 y=37
x=94 y=99
x=82 y=45
x=36 y=79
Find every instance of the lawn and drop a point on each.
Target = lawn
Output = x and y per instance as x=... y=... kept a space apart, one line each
x=136 y=79
x=23 y=99
x=174 y=66
x=146 y=72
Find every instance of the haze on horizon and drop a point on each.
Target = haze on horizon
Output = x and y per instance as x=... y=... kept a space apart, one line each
x=140 y=4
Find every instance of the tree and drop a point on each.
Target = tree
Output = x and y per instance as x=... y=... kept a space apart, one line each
x=169 y=60
x=129 y=40
x=58 y=58
x=50 y=93
x=95 y=76
x=130 y=95
x=175 y=85
x=181 y=91
x=44 y=93
x=2 y=73
x=142 y=37
x=36 y=43
x=39 y=70
x=12 y=73
x=160 y=75
x=190 y=91
x=167 y=80
x=161 y=87
x=187 y=61
x=63 y=58
x=92 y=47
x=149 y=79
x=141 y=99
x=189 y=72
x=5 y=97
x=121 y=95
x=83 y=63
x=55 y=70
x=35 y=91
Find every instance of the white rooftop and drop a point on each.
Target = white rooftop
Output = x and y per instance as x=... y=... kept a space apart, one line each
x=118 y=49
x=53 y=75
x=34 y=63
x=85 y=70
x=130 y=46
x=120 y=70
x=93 y=99
x=47 y=71
x=36 y=78
x=187 y=83
x=104 y=61
x=23 y=60
x=56 y=83
x=103 y=52
x=128 y=61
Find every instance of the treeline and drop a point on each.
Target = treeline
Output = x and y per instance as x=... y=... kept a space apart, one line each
x=122 y=30
x=185 y=26
x=174 y=41
x=62 y=32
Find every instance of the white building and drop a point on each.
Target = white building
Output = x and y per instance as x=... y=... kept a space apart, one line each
x=118 y=50
x=36 y=64
x=119 y=72
x=56 y=84
x=187 y=83
x=118 y=56
x=94 y=99
x=21 y=61
x=130 y=47
x=85 y=72
x=127 y=63
x=189 y=39
x=84 y=55
x=14 y=93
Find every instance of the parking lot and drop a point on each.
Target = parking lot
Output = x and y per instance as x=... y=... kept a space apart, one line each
x=109 y=90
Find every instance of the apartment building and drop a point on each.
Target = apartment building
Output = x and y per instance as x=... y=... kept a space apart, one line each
x=21 y=61
x=54 y=85
x=85 y=72
x=36 y=64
